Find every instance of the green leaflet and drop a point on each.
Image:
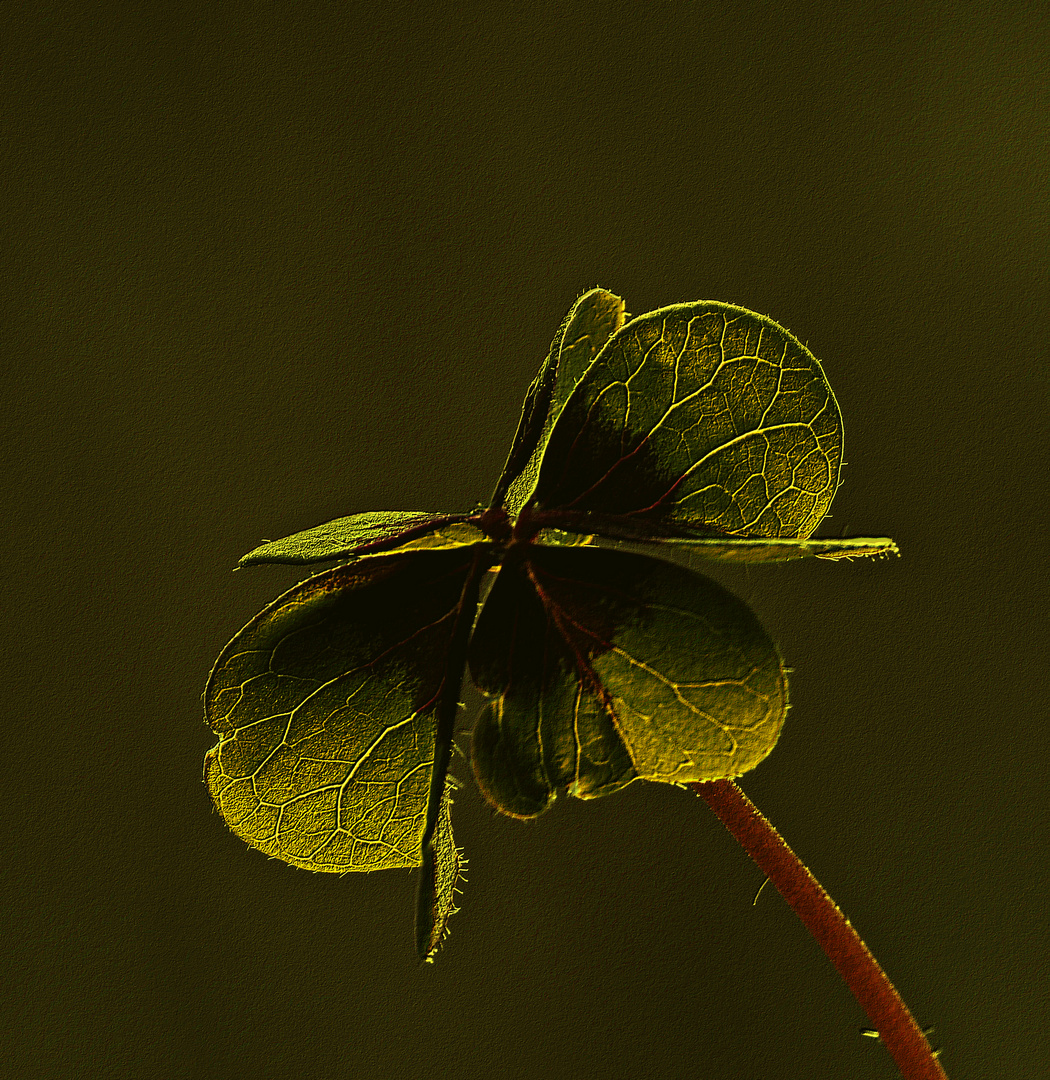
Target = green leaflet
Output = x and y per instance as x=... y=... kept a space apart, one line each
x=604 y=667
x=702 y=417
x=737 y=549
x=753 y=550
x=590 y=323
x=361 y=534
x=323 y=707
x=547 y=726
x=328 y=706
x=442 y=870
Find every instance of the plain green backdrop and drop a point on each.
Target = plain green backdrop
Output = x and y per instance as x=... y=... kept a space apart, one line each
x=268 y=264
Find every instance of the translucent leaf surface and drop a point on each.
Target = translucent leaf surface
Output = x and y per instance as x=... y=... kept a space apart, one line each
x=604 y=666
x=699 y=417
x=360 y=534
x=439 y=883
x=326 y=704
x=458 y=534
x=741 y=549
x=547 y=725
x=588 y=326
x=784 y=550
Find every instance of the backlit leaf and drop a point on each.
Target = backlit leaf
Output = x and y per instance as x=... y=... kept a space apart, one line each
x=547 y=725
x=700 y=418
x=357 y=534
x=588 y=326
x=590 y=653
x=458 y=534
x=441 y=873
x=326 y=707
x=739 y=549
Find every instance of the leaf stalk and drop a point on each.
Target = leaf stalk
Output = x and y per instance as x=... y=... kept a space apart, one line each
x=869 y=984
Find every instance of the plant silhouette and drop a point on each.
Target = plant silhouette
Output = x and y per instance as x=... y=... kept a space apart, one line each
x=700 y=427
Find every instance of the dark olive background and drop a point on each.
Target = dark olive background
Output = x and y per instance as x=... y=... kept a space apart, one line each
x=268 y=264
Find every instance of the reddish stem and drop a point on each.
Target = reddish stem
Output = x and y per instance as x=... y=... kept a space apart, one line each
x=877 y=995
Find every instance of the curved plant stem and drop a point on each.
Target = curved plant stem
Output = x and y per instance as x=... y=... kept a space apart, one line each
x=877 y=995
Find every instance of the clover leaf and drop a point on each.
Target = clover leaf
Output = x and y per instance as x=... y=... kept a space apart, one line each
x=700 y=426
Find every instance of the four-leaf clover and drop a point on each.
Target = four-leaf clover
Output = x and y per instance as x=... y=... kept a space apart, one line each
x=700 y=427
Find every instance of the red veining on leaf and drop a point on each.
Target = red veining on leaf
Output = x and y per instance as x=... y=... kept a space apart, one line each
x=587 y=675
